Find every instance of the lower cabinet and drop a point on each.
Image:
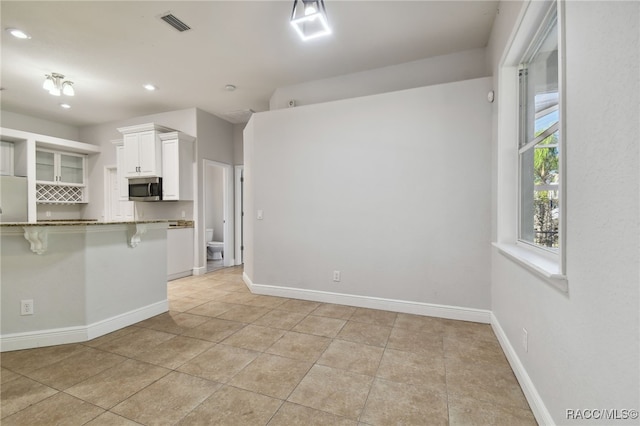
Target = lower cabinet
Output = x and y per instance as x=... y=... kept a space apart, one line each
x=179 y=253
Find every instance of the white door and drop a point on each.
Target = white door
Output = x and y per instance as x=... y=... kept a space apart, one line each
x=116 y=209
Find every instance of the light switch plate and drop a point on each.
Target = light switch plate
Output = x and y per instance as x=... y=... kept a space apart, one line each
x=260 y=215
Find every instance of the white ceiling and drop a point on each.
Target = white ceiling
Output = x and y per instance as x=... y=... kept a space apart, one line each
x=109 y=49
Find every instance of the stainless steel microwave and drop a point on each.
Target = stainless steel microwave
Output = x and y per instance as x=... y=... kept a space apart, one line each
x=145 y=189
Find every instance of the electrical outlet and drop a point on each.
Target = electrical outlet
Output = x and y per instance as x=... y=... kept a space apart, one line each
x=26 y=307
x=47 y=213
x=184 y=214
x=336 y=276
x=525 y=340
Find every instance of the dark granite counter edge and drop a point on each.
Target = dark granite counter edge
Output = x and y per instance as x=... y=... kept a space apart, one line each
x=78 y=223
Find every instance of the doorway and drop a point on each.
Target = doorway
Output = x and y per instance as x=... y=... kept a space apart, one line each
x=217 y=216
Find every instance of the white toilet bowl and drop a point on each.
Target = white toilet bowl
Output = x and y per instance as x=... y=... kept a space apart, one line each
x=215 y=249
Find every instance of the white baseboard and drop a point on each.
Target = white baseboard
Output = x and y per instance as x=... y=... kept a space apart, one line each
x=40 y=338
x=200 y=270
x=61 y=336
x=408 y=307
x=109 y=325
x=539 y=409
x=177 y=275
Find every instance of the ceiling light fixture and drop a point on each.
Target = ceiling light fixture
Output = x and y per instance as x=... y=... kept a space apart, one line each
x=65 y=106
x=18 y=33
x=230 y=87
x=54 y=83
x=309 y=18
x=150 y=87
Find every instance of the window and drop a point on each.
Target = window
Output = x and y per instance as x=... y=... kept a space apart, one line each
x=539 y=140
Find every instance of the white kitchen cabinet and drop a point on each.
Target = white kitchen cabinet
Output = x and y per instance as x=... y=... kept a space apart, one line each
x=60 y=167
x=142 y=154
x=143 y=150
x=6 y=158
x=179 y=252
x=60 y=177
x=177 y=166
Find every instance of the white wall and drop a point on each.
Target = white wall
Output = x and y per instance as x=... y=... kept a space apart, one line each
x=248 y=198
x=584 y=348
x=457 y=66
x=13 y=120
x=389 y=189
x=59 y=211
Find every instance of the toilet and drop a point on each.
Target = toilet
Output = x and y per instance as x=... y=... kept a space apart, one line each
x=215 y=249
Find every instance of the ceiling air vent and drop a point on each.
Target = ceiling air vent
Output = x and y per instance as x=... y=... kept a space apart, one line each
x=175 y=22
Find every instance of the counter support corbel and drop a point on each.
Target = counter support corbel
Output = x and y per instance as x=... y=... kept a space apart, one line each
x=134 y=234
x=37 y=237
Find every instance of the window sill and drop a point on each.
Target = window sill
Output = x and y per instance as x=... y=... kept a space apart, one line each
x=536 y=263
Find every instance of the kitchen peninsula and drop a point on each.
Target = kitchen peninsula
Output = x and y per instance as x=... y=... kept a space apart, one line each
x=79 y=279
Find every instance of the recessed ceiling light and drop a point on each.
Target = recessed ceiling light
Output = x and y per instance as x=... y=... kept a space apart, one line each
x=150 y=87
x=65 y=106
x=230 y=87
x=18 y=33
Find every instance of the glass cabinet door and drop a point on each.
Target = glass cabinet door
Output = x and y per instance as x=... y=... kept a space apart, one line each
x=71 y=169
x=45 y=166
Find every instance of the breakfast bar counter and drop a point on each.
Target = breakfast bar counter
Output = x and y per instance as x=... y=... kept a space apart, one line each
x=79 y=279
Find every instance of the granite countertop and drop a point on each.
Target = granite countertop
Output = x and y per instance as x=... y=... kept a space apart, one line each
x=180 y=224
x=80 y=222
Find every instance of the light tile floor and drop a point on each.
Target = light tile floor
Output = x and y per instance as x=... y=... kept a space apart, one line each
x=225 y=356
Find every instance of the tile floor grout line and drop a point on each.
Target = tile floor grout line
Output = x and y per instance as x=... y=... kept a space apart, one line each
x=229 y=284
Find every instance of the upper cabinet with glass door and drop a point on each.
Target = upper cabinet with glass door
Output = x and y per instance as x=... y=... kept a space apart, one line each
x=60 y=168
x=60 y=177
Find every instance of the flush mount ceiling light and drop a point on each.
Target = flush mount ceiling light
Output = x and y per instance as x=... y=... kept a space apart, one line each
x=309 y=18
x=54 y=83
x=230 y=87
x=65 y=106
x=150 y=87
x=17 y=33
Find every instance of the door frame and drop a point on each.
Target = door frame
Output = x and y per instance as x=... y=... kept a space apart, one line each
x=239 y=213
x=227 y=208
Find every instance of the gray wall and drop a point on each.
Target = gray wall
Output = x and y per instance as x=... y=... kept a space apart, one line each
x=425 y=72
x=238 y=144
x=391 y=189
x=583 y=345
x=13 y=120
x=83 y=278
